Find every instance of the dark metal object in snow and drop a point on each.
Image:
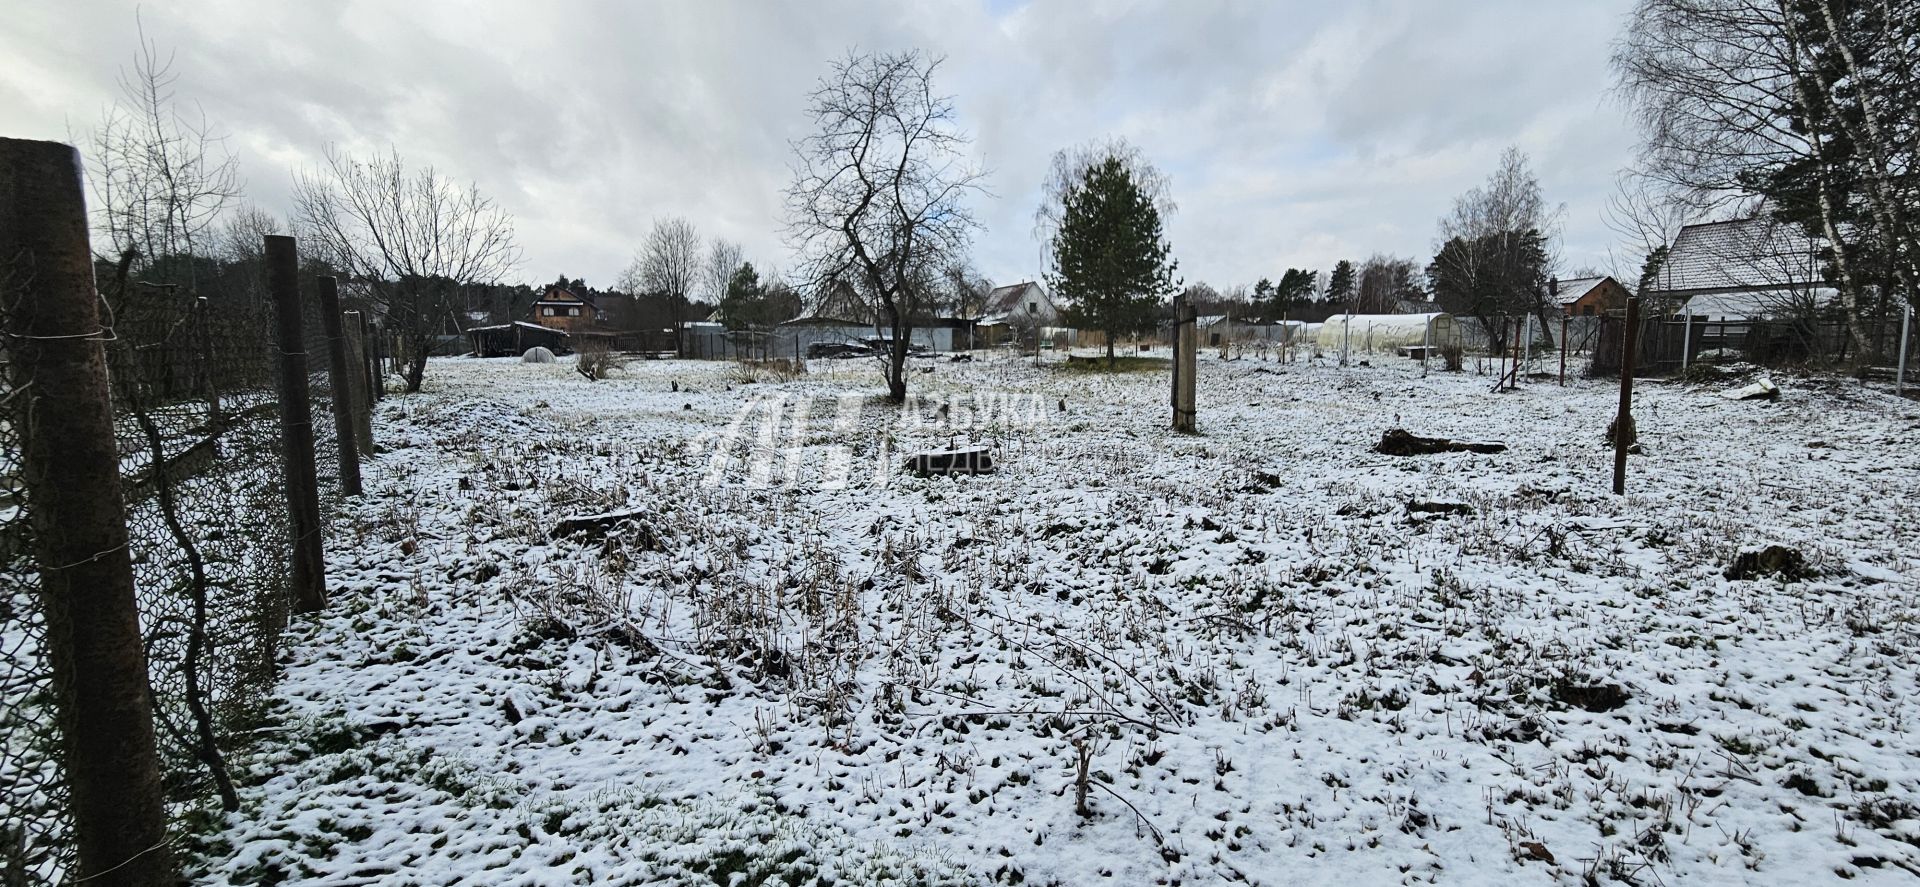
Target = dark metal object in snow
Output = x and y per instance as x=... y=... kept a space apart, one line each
x=1400 y=442
x=964 y=460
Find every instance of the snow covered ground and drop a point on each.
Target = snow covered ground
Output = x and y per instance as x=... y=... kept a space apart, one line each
x=1276 y=656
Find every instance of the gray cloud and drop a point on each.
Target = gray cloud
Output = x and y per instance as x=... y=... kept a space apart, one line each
x=1296 y=134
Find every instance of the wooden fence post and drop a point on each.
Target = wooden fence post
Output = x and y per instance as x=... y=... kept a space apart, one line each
x=356 y=325
x=340 y=373
x=70 y=470
x=296 y=426
x=370 y=345
x=1624 y=434
x=1186 y=344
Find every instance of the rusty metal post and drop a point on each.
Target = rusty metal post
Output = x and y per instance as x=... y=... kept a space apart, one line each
x=296 y=426
x=1624 y=434
x=340 y=373
x=70 y=471
x=1186 y=346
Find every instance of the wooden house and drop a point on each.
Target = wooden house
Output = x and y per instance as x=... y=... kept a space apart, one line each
x=1588 y=296
x=562 y=309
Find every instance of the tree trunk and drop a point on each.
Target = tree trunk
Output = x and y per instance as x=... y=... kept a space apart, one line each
x=1112 y=362
x=1816 y=138
x=417 y=347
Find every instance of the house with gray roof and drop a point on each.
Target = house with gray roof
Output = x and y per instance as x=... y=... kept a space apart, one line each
x=1744 y=269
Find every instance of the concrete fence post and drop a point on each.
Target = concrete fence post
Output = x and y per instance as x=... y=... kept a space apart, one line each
x=70 y=471
x=1186 y=346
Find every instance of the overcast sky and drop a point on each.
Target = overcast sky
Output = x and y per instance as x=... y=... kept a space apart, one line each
x=1295 y=134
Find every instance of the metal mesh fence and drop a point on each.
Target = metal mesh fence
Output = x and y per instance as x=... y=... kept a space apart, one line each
x=193 y=375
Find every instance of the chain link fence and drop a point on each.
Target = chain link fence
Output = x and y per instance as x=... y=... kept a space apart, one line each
x=194 y=368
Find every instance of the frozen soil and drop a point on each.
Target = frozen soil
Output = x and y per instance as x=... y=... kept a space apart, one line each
x=1262 y=654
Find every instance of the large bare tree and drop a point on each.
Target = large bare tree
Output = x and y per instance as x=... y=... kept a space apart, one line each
x=879 y=192
x=669 y=266
x=724 y=257
x=161 y=178
x=413 y=237
x=1495 y=249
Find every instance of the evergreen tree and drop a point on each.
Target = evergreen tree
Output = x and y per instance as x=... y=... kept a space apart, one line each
x=1263 y=303
x=1294 y=292
x=1340 y=285
x=741 y=305
x=1112 y=262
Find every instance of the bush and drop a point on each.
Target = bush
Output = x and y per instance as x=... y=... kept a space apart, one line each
x=595 y=360
x=778 y=369
x=1453 y=356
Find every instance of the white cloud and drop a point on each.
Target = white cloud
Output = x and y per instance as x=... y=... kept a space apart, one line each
x=1296 y=134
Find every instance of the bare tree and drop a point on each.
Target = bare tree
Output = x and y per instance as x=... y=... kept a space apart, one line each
x=160 y=178
x=1496 y=247
x=1736 y=97
x=724 y=257
x=668 y=265
x=963 y=290
x=242 y=237
x=878 y=196
x=1648 y=216
x=413 y=237
x=1386 y=281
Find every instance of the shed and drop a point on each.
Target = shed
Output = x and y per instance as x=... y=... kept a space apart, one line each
x=513 y=339
x=1387 y=332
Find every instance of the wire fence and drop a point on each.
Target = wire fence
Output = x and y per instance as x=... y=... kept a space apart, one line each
x=1665 y=345
x=202 y=463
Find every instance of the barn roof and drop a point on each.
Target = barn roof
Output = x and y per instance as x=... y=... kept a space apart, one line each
x=1571 y=291
x=550 y=294
x=1741 y=254
x=1004 y=302
x=834 y=303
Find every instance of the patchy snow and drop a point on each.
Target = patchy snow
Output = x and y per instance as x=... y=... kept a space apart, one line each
x=1274 y=669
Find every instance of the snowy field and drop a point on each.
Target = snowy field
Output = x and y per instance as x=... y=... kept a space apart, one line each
x=1263 y=654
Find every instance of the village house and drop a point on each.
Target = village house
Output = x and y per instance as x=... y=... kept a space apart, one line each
x=1743 y=269
x=562 y=309
x=1019 y=310
x=1589 y=296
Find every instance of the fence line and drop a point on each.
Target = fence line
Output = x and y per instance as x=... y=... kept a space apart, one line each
x=197 y=438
